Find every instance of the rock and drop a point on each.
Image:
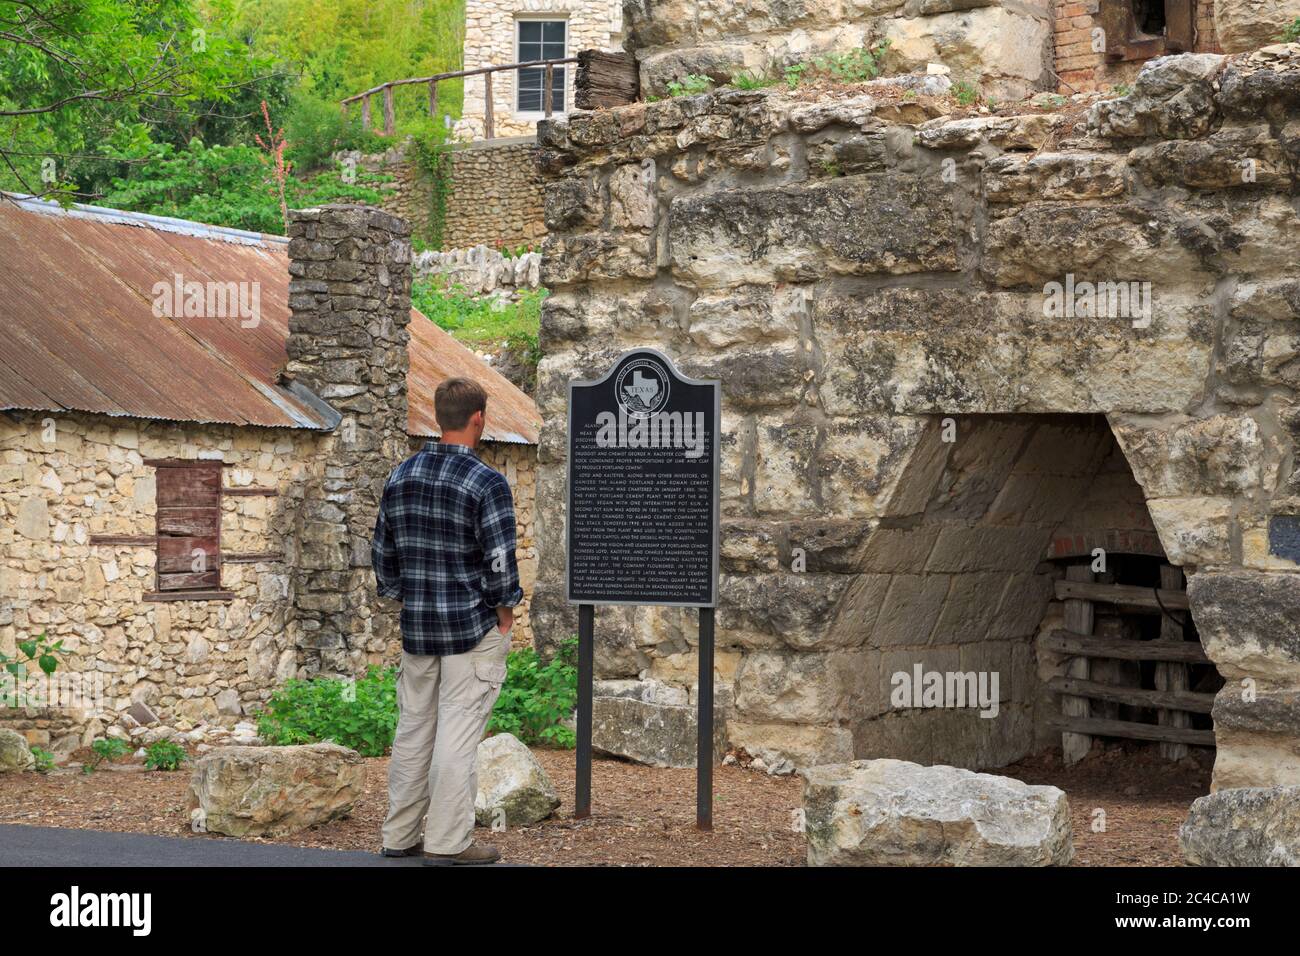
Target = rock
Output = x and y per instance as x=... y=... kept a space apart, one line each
x=1249 y=826
x=1241 y=25
x=659 y=735
x=896 y=813
x=228 y=702
x=275 y=791
x=513 y=789
x=15 y=754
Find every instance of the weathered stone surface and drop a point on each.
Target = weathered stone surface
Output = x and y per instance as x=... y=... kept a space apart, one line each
x=805 y=688
x=274 y=791
x=1015 y=178
x=1249 y=826
x=1030 y=131
x=1230 y=158
x=1249 y=623
x=15 y=754
x=1210 y=456
x=1173 y=97
x=1255 y=730
x=1241 y=25
x=658 y=735
x=852 y=225
x=804 y=745
x=513 y=789
x=895 y=813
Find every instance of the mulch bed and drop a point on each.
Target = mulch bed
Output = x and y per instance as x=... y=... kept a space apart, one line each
x=644 y=816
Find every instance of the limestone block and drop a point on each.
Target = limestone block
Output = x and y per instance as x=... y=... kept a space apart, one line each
x=1229 y=158
x=1194 y=531
x=1018 y=178
x=895 y=813
x=1257 y=735
x=1249 y=826
x=804 y=745
x=1249 y=623
x=15 y=754
x=1242 y=25
x=1210 y=456
x=657 y=735
x=804 y=688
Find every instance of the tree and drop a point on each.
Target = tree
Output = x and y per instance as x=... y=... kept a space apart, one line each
x=78 y=75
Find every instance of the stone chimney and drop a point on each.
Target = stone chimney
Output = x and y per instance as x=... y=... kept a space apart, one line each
x=350 y=298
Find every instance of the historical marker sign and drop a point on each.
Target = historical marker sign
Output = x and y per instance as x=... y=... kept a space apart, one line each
x=643 y=486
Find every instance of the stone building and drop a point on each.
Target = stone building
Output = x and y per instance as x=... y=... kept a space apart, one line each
x=962 y=358
x=197 y=425
x=498 y=32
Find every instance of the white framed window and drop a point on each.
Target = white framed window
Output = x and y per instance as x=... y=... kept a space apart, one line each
x=540 y=38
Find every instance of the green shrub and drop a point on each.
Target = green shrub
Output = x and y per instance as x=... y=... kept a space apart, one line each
x=105 y=748
x=1292 y=32
x=854 y=66
x=536 y=698
x=164 y=755
x=965 y=93
x=44 y=760
x=690 y=85
x=360 y=714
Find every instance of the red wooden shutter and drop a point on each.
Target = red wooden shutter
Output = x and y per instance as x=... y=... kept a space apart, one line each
x=188 y=524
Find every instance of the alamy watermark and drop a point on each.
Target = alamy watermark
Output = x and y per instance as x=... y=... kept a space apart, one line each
x=955 y=689
x=1111 y=300
x=208 y=300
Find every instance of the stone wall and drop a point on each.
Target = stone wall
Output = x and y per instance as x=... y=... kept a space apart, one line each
x=494 y=197
x=1003 y=46
x=852 y=280
x=490 y=41
x=67 y=477
x=1250 y=24
x=1079 y=67
x=350 y=302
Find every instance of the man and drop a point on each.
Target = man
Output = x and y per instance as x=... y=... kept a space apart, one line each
x=445 y=547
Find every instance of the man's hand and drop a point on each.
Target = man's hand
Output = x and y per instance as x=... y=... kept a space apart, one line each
x=505 y=619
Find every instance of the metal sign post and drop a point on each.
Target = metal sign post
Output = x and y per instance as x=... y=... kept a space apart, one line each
x=643 y=522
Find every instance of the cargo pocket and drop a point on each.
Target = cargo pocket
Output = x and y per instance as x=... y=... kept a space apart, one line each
x=490 y=674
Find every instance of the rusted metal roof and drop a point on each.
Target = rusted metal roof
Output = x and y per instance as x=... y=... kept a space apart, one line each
x=77 y=309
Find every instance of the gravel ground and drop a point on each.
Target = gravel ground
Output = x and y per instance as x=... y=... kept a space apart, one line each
x=646 y=816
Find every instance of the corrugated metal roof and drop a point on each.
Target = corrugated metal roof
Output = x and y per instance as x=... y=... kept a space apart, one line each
x=77 y=309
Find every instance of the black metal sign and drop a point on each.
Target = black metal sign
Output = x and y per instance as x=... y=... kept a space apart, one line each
x=643 y=486
x=643 y=522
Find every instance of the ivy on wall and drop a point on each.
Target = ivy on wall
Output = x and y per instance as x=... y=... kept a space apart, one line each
x=433 y=160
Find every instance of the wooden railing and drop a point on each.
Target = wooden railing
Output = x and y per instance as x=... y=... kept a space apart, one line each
x=386 y=91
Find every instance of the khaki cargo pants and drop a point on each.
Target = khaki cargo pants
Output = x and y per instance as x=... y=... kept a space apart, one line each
x=443 y=707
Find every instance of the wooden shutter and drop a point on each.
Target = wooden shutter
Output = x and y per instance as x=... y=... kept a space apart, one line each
x=1115 y=17
x=188 y=524
x=1180 y=25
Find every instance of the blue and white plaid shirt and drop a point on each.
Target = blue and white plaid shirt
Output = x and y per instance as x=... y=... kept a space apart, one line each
x=445 y=547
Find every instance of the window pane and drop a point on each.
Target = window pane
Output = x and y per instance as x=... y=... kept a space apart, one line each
x=553 y=31
x=532 y=83
x=530 y=31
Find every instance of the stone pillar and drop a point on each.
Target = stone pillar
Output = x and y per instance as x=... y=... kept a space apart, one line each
x=350 y=299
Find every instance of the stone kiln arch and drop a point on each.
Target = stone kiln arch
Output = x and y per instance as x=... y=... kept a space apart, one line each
x=854 y=272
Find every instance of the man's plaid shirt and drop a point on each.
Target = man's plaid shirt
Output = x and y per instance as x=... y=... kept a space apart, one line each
x=445 y=547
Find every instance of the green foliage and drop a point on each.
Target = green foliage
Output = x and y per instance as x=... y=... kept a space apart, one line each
x=965 y=93
x=853 y=66
x=795 y=73
x=44 y=759
x=479 y=322
x=432 y=155
x=690 y=85
x=536 y=698
x=38 y=650
x=315 y=129
x=750 y=80
x=1292 y=32
x=164 y=755
x=361 y=714
x=227 y=186
x=1121 y=89
x=105 y=748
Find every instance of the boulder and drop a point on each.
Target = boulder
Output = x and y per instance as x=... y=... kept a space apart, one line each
x=513 y=789
x=15 y=754
x=1248 y=826
x=274 y=791
x=896 y=813
x=659 y=735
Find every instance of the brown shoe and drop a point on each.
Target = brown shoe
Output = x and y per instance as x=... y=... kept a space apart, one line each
x=409 y=851
x=476 y=854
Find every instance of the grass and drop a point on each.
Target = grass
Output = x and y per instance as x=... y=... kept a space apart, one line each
x=479 y=322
